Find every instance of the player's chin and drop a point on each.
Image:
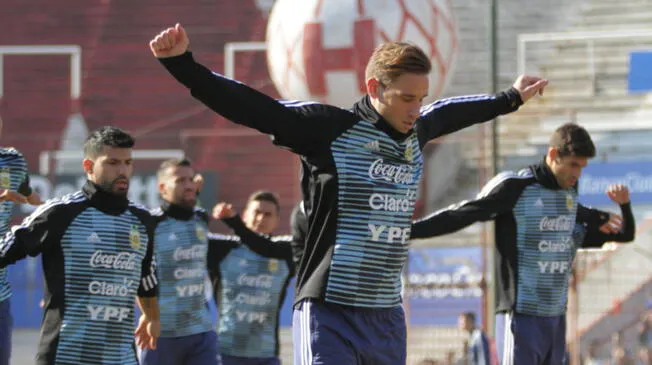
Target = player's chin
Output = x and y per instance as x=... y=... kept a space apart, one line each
x=122 y=191
x=190 y=202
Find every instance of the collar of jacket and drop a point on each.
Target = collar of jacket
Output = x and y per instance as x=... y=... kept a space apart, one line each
x=366 y=111
x=544 y=176
x=177 y=211
x=105 y=201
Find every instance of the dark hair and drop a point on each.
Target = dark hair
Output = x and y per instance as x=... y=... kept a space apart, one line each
x=106 y=136
x=265 y=196
x=173 y=162
x=572 y=140
x=470 y=316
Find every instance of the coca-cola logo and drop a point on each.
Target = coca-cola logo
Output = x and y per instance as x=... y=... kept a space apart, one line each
x=560 y=223
x=194 y=252
x=118 y=261
x=398 y=174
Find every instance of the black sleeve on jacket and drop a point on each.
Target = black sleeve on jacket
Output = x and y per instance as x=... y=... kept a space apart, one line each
x=39 y=232
x=258 y=243
x=299 y=228
x=498 y=196
x=449 y=115
x=592 y=219
x=24 y=187
x=148 y=282
x=303 y=127
x=219 y=245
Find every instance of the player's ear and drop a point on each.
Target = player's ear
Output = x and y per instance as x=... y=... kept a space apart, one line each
x=87 y=165
x=374 y=88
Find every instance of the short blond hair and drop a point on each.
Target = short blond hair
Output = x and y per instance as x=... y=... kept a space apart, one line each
x=391 y=60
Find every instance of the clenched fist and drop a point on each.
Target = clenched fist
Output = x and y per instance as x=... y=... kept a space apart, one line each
x=170 y=42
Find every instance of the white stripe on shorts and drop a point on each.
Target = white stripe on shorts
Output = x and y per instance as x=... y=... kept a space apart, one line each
x=508 y=348
x=306 y=348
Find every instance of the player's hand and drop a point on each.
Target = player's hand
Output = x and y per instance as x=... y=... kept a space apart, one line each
x=170 y=42
x=614 y=224
x=223 y=210
x=199 y=181
x=144 y=333
x=154 y=331
x=618 y=193
x=13 y=196
x=529 y=86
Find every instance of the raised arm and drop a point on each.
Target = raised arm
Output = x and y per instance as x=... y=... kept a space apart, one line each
x=498 y=196
x=260 y=244
x=300 y=126
x=601 y=227
x=450 y=115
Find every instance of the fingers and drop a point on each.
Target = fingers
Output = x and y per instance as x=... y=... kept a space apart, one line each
x=613 y=226
x=164 y=40
x=152 y=343
x=181 y=32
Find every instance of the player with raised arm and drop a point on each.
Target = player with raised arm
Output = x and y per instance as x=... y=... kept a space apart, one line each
x=356 y=162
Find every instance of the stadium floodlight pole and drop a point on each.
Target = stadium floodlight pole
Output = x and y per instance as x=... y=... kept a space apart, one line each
x=490 y=280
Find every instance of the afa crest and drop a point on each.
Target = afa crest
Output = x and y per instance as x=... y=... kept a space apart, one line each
x=134 y=237
x=5 y=178
x=200 y=232
x=569 y=202
x=409 y=153
x=272 y=265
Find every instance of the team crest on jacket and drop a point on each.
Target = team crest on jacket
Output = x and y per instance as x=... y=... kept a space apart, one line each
x=200 y=232
x=134 y=237
x=5 y=178
x=272 y=265
x=569 y=202
x=409 y=154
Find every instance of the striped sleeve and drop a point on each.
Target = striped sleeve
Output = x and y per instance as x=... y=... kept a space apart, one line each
x=498 y=196
x=38 y=231
x=449 y=115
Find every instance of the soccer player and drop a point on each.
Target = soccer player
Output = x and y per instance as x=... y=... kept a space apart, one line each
x=539 y=227
x=96 y=248
x=363 y=170
x=187 y=335
x=14 y=189
x=250 y=273
x=478 y=346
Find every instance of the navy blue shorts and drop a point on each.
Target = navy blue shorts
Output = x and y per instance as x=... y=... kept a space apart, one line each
x=237 y=360
x=199 y=349
x=6 y=323
x=531 y=340
x=332 y=334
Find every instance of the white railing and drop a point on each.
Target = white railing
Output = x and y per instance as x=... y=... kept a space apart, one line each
x=590 y=38
x=74 y=51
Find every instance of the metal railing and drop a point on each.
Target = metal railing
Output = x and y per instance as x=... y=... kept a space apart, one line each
x=589 y=38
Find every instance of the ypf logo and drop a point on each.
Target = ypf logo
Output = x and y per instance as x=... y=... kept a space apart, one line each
x=318 y=50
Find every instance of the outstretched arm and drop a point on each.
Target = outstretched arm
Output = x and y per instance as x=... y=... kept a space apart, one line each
x=301 y=126
x=450 y=115
x=260 y=244
x=498 y=196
